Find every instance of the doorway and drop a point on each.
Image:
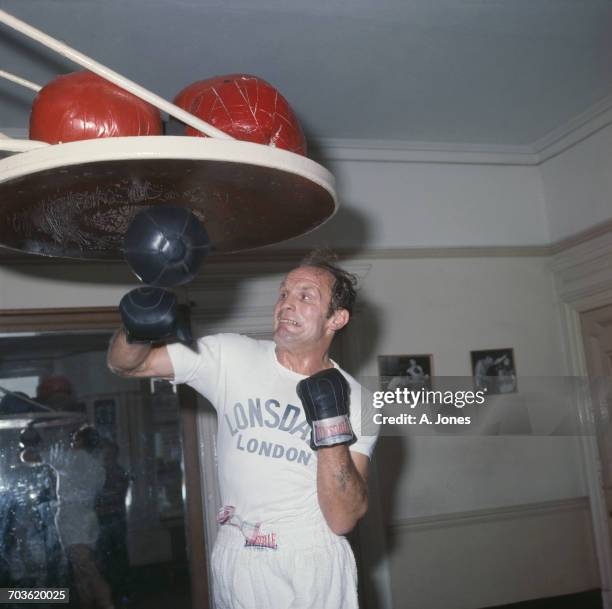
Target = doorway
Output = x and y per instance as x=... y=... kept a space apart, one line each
x=597 y=337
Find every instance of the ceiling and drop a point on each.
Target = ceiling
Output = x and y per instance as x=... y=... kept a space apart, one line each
x=480 y=72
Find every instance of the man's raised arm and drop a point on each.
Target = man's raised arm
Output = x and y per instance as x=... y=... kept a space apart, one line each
x=138 y=360
x=149 y=318
x=342 y=487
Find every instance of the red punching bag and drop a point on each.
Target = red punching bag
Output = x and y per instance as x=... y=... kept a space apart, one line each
x=83 y=106
x=245 y=107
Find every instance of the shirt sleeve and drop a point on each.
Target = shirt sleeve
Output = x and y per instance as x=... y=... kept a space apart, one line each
x=199 y=368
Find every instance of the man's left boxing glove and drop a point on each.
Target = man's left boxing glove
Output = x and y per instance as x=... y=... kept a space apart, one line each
x=325 y=397
x=29 y=437
x=152 y=315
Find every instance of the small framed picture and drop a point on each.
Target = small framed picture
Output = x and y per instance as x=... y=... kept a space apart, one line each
x=405 y=371
x=105 y=416
x=104 y=412
x=494 y=370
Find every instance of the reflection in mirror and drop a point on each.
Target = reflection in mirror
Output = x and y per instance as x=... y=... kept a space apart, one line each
x=90 y=476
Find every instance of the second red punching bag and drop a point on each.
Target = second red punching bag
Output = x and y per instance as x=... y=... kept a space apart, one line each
x=83 y=105
x=245 y=107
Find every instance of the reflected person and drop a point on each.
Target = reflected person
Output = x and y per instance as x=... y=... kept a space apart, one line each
x=80 y=478
x=112 y=517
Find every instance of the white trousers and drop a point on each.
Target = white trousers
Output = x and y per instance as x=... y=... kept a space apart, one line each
x=310 y=568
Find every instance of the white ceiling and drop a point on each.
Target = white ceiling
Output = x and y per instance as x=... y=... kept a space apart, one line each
x=492 y=72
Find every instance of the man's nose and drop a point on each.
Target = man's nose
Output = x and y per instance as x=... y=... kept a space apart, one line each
x=289 y=302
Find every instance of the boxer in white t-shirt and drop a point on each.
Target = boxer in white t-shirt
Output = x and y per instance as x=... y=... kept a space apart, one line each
x=290 y=495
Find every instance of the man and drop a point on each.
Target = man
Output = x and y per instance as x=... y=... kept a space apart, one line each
x=80 y=478
x=286 y=507
x=111 y=510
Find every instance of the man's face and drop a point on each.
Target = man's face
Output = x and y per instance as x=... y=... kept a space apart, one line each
x=300 y=313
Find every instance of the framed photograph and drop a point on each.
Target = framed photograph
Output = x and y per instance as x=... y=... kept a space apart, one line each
x=405 y=371
x=494 y=370
x=104 y=411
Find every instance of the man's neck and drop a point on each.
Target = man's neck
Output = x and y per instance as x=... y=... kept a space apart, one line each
x=303 y=362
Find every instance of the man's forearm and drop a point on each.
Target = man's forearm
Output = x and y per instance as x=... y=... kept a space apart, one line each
x=123 y=357
x=342 y=492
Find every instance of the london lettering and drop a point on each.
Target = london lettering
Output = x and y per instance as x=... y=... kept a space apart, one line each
x=269 y=413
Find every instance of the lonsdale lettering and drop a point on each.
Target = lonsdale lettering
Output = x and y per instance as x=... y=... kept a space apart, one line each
x=330 y=431
x=262 y=540
x=269 y=414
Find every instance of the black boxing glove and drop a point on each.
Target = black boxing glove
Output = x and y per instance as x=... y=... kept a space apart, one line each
x=29 y=437
x=151 y=315
x=325 y=397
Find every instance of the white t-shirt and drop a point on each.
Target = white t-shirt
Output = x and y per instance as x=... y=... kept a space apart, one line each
x=266 y=467
x=80 y=478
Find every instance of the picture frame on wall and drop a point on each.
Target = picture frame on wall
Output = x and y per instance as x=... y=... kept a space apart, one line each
x=494 y=370
x=105 y=415
x=413 y=371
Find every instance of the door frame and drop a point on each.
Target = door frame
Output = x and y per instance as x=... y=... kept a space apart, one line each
x=583 y=281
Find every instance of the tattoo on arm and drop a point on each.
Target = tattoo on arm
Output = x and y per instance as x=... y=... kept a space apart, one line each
x=342 y=477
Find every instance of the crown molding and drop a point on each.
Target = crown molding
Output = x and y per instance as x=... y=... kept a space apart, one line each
x=560 y=139
x=574 y=131
x=392 y=151
x=396 y=151
x=563 y=137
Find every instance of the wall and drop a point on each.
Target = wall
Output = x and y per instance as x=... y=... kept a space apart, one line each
x=36 y=285
x=451 y=496
x=448 y=307
x=385 y=205
x=578 y=185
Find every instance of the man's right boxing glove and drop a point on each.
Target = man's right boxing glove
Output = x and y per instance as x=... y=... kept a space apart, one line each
x=325 y=397
x=152 y=315
x=29 y=437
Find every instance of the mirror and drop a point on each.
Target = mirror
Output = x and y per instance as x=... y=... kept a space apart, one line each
x=92 y=494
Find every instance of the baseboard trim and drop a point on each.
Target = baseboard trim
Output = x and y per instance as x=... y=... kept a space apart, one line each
x=589 y=599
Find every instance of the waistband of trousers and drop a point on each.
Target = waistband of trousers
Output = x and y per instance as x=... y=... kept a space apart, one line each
x=272 y=535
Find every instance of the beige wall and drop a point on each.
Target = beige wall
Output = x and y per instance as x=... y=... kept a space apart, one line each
x=480 y=496
x=578 y=185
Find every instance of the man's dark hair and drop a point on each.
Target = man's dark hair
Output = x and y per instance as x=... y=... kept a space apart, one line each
x=344 y=289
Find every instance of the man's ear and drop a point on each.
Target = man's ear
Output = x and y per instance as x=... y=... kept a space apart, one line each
x=339 y=319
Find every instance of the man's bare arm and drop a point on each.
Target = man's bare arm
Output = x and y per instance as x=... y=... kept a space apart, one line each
x=342 y=487
x=138 y=360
